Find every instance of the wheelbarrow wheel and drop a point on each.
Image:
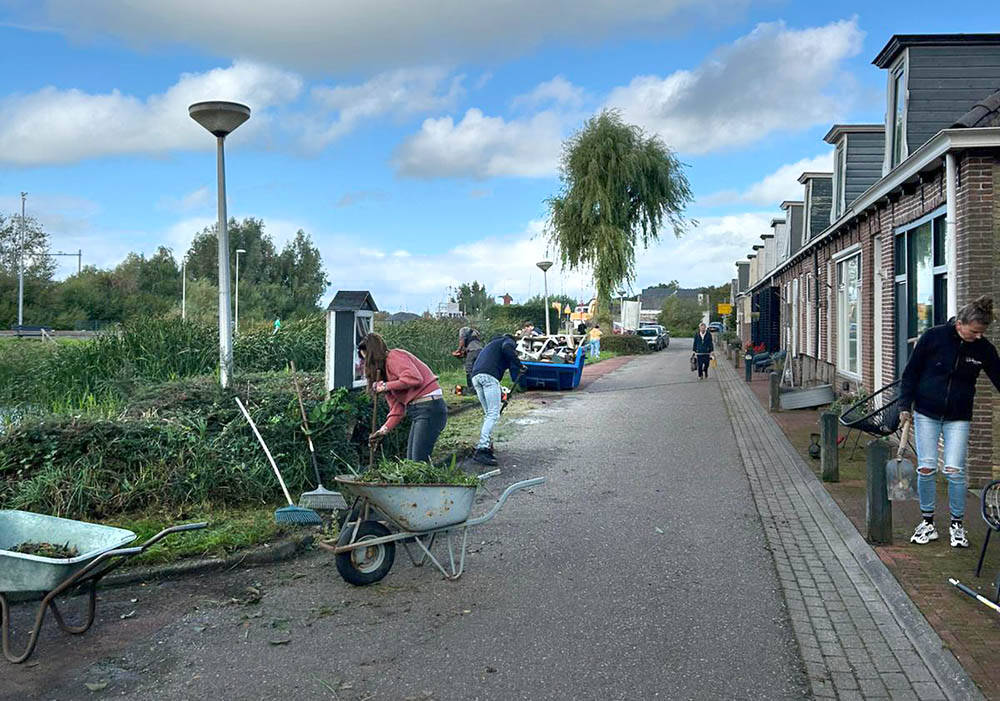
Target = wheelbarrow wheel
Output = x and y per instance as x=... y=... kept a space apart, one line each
x=366 y=565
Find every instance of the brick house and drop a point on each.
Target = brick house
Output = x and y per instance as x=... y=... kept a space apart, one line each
x=910 y=230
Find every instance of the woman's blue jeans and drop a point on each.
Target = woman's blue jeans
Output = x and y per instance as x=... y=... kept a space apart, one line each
x=595 y=348
x=927 y=432
x=490 y=396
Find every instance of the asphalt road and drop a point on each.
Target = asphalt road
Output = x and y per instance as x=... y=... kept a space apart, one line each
x=638 y=571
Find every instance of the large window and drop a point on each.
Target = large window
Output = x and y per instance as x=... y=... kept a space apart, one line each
x=896 y=115
x=921 y=283
x=849 y=315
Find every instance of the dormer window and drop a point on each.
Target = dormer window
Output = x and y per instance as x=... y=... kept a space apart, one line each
x=897 y=121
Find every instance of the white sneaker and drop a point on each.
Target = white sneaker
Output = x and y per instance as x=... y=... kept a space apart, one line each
x=924 y=533
x=959 y=539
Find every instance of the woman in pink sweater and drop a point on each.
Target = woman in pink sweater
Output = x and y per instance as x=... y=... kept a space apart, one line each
x=411 y=389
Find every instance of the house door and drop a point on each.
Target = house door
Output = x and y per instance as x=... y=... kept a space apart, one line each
x=877 y=280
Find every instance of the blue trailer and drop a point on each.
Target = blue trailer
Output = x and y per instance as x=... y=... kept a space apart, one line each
x=559 y=376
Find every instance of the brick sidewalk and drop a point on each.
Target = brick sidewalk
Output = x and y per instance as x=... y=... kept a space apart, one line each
x=859 y=634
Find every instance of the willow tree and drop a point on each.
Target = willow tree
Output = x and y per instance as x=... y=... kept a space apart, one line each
x=619 y=187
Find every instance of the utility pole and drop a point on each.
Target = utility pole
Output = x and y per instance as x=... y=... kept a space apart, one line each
x=20 y=268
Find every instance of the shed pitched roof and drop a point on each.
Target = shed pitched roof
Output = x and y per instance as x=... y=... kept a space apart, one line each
x=352 y=300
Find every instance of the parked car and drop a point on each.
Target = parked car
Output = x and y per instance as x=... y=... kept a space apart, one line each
x=716 y=327
x=654 y=338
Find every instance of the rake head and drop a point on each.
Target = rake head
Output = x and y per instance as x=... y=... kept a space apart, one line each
x=322 y=499
x=298 y=516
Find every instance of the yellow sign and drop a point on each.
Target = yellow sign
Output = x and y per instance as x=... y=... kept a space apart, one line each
x=725 y=308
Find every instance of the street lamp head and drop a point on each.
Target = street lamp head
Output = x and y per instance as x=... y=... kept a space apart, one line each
x=544 y=265
x=241 y=250
x=220 y=118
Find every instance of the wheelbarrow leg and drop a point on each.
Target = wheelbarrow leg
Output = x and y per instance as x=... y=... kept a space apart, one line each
x=91 y=607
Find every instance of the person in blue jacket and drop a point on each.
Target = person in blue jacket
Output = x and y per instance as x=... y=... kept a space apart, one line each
x=497 y=357
x=939 y=382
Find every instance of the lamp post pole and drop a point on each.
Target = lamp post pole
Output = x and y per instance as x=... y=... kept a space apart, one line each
x=184 y=280
x=221 y=119
x=544 y=266
x=20 y=268
x=237 y=323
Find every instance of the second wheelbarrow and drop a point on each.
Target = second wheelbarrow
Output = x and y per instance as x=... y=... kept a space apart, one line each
x=22 y=576
x=416 y=513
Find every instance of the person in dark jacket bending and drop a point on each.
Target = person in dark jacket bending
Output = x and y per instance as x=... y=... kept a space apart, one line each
x=496 y=357
x=703 y=349
x=940 y=383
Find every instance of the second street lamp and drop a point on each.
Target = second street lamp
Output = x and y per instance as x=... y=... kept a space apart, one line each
x=221 y=119
x=236 y=324
x=544 y=266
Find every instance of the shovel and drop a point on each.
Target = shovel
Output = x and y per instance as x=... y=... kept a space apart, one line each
x=900 y=475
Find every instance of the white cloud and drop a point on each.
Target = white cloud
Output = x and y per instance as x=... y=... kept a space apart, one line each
x=397 y=94
x=558 y=91
x=354 y=197
x=316 y=35
x=196 y=199
x=772 y=79
x=705 y=255
x=63 y=126
x=480 y=146
x=783 y=184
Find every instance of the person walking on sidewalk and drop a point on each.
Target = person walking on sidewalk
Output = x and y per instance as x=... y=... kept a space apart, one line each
x=595 y=341
x=411 y=389
x=496 y=357
x=703 y=350
x=939 y=382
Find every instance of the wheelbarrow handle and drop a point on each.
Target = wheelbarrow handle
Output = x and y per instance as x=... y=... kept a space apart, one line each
x=523 y=484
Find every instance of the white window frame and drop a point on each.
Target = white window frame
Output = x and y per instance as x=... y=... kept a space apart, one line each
x=839 y=198
x=806 y=212
x=842 y=258
x=810 y=312
x=901 y=66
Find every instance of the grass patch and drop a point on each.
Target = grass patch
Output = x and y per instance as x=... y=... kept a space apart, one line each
x=228 y=531
x=605 y=355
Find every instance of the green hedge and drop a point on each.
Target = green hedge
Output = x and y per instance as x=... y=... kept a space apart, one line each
x=626 y=345
x=185 y=443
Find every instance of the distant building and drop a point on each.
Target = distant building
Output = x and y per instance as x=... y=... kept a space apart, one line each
x=507 y=299
x=652 y=299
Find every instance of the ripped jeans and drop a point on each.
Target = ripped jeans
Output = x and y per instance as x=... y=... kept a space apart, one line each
x=927 y=431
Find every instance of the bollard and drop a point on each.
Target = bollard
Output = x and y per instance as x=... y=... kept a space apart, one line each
x=774 y=392
x=829 y=423
x=878 y=511
x=748 y=365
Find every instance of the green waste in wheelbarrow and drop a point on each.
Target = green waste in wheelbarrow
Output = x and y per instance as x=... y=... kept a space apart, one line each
x=415 y=507
x=21 y=573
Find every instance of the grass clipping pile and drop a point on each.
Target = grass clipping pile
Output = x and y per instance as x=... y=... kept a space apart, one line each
x=53 y=550
x=403 y=471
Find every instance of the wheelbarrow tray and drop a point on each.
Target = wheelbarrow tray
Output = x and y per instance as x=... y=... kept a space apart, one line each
x=21 y=573
x=415 y=507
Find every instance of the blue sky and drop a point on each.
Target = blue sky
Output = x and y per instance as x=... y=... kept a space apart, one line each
x=417 y=146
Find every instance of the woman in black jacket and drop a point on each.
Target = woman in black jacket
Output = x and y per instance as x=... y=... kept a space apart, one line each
x=703 y=349
x=940 y=383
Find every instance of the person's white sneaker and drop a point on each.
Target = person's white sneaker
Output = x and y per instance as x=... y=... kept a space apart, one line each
x=924 y=533
x=959 y=539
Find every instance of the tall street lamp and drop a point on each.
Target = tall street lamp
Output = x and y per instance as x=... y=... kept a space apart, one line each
x=222 y=119
x=544 y=266
x=237 y=323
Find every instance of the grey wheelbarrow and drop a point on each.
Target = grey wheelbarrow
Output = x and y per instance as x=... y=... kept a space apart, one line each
x=24 y=576
x=412 y=514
